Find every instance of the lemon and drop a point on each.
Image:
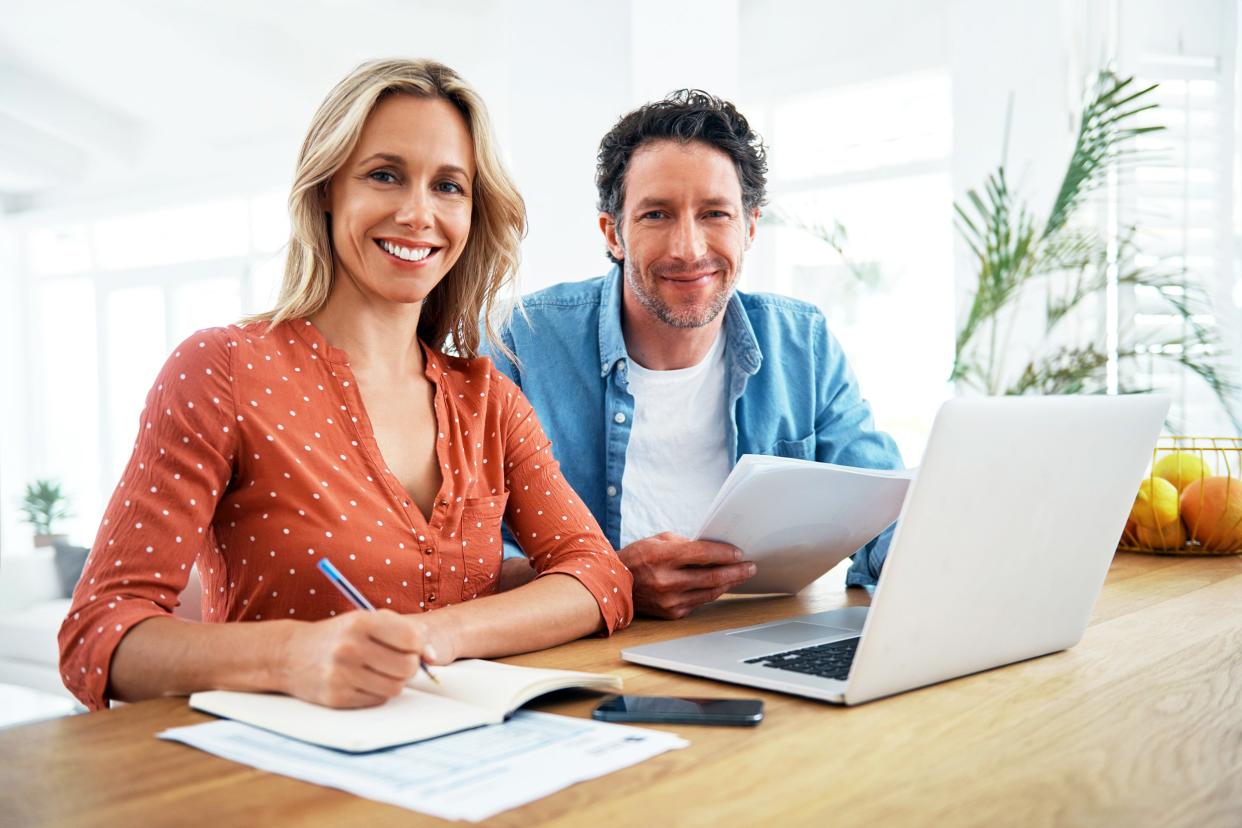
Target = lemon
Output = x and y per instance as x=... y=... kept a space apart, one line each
x=1181 y=468
x=1156 y=504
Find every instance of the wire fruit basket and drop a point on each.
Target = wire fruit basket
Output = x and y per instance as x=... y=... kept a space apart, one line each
x=1190 y=502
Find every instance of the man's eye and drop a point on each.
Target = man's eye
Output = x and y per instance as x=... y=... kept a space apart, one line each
x=653 y=214
x=383 y=176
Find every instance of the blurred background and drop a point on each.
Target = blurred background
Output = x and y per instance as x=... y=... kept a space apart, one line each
x=146 y=148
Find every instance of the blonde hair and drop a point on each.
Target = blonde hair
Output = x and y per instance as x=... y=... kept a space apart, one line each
x=453 y=310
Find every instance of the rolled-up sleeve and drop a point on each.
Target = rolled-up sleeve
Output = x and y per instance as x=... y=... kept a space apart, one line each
x=550 y=521
x=159 y=518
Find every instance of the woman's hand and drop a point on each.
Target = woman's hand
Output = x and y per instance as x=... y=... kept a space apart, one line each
x=361 y=659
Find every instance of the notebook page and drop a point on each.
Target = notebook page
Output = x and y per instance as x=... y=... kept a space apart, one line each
x=501 y=688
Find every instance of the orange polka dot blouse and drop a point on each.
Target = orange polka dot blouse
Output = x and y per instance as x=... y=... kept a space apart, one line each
x=255 y=458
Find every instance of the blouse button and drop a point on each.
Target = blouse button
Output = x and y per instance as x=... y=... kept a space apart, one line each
x=428 y=550
x=405 y=503
x=431 y=597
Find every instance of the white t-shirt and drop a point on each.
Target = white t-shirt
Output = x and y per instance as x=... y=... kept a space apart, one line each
x=678 y=454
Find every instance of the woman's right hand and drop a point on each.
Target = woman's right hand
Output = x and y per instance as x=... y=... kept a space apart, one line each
x=357 y=659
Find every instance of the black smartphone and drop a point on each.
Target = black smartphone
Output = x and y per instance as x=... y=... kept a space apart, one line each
x=676 y=710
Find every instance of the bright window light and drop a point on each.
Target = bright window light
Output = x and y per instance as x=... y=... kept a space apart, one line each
x=136 y=349
x=69 y=413
x=863 y=127
x=204 y=303
x=61 y=250
x=193 y=233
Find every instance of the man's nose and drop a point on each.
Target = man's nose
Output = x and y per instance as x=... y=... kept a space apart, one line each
x=417 y=209
x=688 y=242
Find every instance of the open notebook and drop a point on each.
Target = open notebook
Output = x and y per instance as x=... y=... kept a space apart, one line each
x=471 y=693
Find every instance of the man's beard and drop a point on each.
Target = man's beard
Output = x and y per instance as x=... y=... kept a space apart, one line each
x=692 y=316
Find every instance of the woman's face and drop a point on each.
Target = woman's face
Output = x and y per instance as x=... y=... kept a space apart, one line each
x=400 y=204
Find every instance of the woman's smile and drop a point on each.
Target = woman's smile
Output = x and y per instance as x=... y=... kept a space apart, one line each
x=408 y=253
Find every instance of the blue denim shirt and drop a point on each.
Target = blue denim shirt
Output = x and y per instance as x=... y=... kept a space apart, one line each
x=791 y=392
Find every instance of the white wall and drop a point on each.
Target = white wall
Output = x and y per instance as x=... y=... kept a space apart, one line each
x=566 y=85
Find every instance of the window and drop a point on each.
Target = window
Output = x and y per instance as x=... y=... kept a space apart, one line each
x=1178 y=197
x=873 y=158
x=112 y=297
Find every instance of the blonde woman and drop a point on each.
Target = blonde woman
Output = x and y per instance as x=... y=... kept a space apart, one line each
x=335 y=426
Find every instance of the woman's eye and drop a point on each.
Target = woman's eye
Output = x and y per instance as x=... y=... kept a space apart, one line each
x=717 y=214
x=383 y=176
x=450 y=187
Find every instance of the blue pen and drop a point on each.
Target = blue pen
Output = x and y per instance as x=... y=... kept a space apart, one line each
x=358 y=599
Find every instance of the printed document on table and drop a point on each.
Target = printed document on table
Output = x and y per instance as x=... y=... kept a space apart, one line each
x=470 y=775
x=796 y=519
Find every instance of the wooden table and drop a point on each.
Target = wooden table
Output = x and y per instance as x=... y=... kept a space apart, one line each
x=1141 y=723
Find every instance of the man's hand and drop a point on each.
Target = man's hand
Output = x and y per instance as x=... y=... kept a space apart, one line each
x=673 y=575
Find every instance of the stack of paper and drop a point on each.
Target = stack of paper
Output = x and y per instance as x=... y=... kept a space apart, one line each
x=796 y=519
x=470 y=775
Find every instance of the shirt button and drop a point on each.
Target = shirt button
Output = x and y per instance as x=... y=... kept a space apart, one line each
x=612 y=491
x=619 y=417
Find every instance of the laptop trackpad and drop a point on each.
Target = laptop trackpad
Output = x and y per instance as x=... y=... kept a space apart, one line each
x=792 y=632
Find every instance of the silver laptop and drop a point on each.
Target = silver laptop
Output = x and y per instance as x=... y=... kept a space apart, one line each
x=1000 y=552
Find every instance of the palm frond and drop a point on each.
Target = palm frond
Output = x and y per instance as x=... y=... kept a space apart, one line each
x=1102 y=130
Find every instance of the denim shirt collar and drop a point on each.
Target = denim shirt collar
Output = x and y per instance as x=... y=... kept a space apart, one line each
x=741 y=347
x=611 y=339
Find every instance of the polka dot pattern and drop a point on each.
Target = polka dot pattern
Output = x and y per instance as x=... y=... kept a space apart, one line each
x=255 y=457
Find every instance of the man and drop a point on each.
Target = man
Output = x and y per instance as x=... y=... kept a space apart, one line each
x=653 y=380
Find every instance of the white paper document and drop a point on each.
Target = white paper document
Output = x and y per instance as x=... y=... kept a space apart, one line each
x=470 y=775
x=796 y=519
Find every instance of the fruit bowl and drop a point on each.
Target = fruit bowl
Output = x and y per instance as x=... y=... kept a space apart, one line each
x=1190 y=502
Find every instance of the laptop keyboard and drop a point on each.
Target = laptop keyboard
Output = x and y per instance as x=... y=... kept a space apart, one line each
x=831 y=660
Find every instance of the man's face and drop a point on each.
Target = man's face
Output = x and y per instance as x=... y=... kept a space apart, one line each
x=682 y=231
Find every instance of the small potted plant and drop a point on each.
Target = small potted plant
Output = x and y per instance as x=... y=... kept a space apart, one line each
x=43 y=505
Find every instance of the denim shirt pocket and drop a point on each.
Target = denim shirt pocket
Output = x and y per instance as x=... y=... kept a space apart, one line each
x=800 y=449
x=482 y=543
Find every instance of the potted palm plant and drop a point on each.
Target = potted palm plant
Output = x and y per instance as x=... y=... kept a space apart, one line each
x=1064 y=264
x=42 y=506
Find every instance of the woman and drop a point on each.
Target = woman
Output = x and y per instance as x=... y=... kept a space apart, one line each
x=333 y=427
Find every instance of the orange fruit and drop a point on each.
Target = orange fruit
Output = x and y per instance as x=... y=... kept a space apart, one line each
x=1212 y=510
x=1172 y=536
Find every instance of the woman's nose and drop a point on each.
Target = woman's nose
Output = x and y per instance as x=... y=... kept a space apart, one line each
x=417 y=210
